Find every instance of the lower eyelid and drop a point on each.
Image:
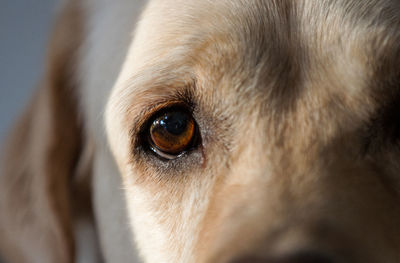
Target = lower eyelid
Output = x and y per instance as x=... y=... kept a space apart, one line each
x=163 y=154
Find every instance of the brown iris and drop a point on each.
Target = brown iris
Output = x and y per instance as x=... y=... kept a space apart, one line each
x=172 y=133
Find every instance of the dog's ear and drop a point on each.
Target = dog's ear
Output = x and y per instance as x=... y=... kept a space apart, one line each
x=44 y=157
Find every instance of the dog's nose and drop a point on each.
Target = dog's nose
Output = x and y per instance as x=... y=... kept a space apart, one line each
x=298 y=257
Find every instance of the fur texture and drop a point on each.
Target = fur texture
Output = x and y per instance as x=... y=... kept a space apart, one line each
x=297 y=105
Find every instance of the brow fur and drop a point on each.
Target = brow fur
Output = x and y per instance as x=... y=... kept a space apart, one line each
x=296 y=104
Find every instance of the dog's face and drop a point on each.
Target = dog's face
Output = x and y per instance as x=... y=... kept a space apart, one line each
x=288 y=144
x=244 y=131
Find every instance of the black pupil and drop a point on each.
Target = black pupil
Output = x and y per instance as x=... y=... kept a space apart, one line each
x=175 y=122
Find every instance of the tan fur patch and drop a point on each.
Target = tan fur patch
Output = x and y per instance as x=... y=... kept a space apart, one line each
x=296 y=104
x=283 y=93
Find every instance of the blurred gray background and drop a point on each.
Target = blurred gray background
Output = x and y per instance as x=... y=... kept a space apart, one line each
x=24 y=30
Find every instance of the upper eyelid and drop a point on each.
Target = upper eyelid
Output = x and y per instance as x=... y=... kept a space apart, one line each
x=146 y=114
x=142 y=119
x=138 y=107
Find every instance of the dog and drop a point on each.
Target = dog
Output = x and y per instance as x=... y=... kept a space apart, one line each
x=210 y=131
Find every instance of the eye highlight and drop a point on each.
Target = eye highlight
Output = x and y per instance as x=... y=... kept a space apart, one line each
x=172 y=133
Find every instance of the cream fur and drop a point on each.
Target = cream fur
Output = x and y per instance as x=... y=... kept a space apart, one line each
x=294 y=102
x=110 y=26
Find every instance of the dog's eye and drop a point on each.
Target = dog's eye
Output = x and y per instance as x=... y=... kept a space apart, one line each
x=172 y=133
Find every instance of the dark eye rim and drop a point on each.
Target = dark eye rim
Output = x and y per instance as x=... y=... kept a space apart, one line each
x=147 y=143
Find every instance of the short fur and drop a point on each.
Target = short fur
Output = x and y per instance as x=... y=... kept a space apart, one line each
x=297 y=104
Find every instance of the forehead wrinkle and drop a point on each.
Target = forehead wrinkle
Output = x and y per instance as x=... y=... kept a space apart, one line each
x=266 y=33
x=235 y=37
x=270 y=53
x=257 y=41
x=271 y=56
